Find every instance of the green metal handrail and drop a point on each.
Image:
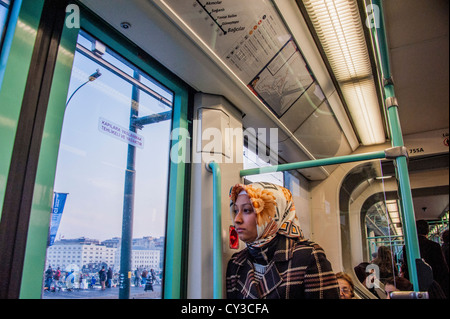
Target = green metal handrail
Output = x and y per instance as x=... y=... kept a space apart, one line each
x=217 y=230
x=315 y=163
x=406 y=207
x=378 y=237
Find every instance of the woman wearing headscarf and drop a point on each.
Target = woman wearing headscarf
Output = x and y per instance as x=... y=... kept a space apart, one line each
x=278 y=263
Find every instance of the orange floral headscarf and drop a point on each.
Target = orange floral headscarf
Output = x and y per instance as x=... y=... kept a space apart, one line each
x=274 y=208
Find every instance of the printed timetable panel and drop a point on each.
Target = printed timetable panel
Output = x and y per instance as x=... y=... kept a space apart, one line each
x=252 y=40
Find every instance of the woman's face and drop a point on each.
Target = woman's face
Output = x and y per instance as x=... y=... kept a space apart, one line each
x=388 y=288
x=245 y=219
x=345 y=289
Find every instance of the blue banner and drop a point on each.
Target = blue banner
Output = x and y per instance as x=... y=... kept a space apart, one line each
x=57 y=210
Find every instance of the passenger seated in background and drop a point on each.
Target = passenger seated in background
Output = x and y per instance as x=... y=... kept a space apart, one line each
x=360 y=271
x=369 y=278
x=346 y=286
x=432 y=254
x=386 y=263
x=278 y=262
x=397 y=284
x=403 y=284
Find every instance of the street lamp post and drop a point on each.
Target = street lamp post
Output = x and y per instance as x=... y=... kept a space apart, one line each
x=128 y=203
x=94 y=76
x=126 y=249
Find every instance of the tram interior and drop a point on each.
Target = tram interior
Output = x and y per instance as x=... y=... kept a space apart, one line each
x=350 y=209
x=418 y=48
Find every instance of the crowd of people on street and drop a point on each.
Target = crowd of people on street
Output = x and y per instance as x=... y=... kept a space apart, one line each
x=56 y=280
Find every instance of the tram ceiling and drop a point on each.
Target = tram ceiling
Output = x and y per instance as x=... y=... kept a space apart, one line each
x=161 y=34
x=311 y=127
x=430 y=207
x=418 y=38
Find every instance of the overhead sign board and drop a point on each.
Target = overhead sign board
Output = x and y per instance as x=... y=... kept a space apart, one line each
x=252 y=40
x=427 y=143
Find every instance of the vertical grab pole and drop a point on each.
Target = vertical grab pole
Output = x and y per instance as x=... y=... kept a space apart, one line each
x=407 y=208
x=217 y=229
x=126 y=246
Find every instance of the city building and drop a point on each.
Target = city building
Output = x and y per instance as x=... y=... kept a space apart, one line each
x=79 y=253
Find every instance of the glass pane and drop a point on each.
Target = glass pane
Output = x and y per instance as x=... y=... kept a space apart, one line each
x=252 y=160
x=322 y=135
x=371 y=228
x=383 y=229
x=252 y=40
x=308 y=103
x=284 y=80
x=110 y=181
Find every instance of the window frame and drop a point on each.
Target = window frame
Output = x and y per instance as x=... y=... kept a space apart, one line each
x=177 y=200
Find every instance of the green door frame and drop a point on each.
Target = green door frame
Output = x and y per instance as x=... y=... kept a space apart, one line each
x=24 y=95
x=14 y=72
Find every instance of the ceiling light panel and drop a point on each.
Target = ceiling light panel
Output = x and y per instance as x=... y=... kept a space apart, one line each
x=341 y=34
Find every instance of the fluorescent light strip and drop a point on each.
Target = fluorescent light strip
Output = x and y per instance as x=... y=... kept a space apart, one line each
x=338 y=24
x=362 y=102
x=392 y=208
x=339 y=28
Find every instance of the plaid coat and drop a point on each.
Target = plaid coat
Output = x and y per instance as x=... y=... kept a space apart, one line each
x=299 y=270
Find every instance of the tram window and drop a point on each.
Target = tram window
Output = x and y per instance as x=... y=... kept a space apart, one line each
x=383 y=228
x=371 y=232
x=252 y=160
x=304 y=107
x=4 y=8
x=106 y=95
x=322 y=135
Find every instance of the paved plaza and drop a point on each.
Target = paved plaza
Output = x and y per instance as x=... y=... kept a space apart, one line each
x=108 y=293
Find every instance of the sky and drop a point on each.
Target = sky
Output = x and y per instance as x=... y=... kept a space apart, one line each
x=91 y=165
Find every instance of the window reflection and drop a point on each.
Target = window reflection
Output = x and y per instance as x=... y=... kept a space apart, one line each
x=252 y=160
x=371 y=232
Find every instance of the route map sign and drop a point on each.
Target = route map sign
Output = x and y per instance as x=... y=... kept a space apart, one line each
x=252 y=40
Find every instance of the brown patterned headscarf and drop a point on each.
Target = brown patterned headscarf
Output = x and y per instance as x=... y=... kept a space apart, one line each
x=274 y=208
